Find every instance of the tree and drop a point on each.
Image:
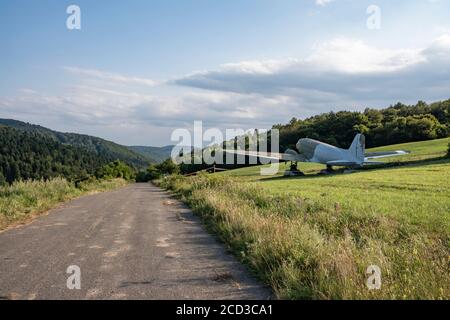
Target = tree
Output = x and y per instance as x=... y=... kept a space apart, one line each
x=422 y=127
x=116 y=169
x=168 y=167
x=153 y=172
x=399 y=123
x=142 y=176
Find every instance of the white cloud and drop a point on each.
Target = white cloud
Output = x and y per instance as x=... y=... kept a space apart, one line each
x=354 y=56
x=323 y=2
x=111 y=77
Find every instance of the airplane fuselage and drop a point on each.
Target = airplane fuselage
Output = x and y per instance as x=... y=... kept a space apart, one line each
x=320 y=152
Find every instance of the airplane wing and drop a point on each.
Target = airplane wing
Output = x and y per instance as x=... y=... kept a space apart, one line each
x=386 y=154
x=268 y=155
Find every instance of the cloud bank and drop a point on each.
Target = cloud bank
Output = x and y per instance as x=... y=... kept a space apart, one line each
x=340 y=71
x=339 y=74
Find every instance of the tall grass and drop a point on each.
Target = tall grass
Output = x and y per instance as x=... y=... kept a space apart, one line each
x=307 y=249
x=24 y=199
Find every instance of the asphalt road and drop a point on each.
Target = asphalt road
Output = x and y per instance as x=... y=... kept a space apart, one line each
x=133 y=243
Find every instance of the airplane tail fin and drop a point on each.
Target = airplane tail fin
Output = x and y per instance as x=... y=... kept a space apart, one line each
x=358 y=147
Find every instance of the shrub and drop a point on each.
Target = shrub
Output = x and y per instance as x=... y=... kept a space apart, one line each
x=142 y=176
x=115 y=169
x=153 y=172
x=168 y=167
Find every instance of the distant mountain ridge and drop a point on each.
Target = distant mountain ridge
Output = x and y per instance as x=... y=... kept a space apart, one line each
x=103 y=148
x=159 y=154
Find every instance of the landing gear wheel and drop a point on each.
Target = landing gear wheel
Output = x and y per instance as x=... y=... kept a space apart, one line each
x=327 y=171
x=293 y=171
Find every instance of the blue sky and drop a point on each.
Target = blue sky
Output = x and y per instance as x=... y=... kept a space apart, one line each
x=139 y=69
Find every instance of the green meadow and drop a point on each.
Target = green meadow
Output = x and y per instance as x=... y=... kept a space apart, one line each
x=314 y=237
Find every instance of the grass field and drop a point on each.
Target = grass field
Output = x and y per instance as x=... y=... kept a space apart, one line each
x=313 y=237
x=23 y=201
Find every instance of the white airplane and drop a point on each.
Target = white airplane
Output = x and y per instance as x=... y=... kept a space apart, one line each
x=310 y=150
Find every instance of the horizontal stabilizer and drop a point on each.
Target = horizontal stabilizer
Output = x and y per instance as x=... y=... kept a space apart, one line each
x=386 y=154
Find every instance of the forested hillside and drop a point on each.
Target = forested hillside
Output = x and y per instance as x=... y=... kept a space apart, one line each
x=397 y=124
x=31 y=155
x=103 y=148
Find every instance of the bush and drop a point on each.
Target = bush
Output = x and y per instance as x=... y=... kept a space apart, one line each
x=142 y=176
x=168 y=167
x=165 y=168
x=153 y=172
x=116 y=169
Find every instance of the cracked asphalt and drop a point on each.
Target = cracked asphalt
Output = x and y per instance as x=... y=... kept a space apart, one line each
x=136 y=242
